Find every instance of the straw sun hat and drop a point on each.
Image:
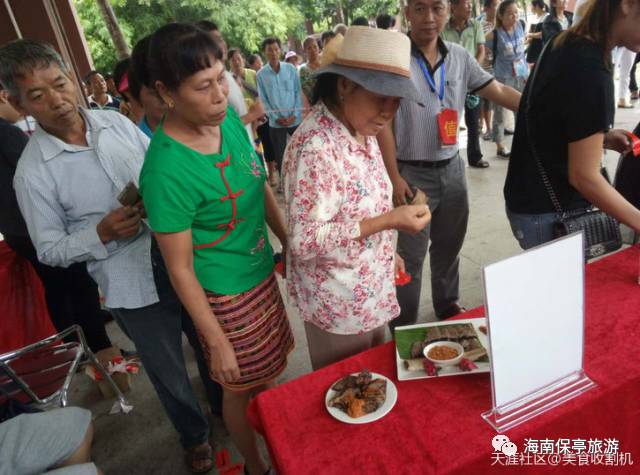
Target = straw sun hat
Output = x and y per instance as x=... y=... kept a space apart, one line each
x=378 y=60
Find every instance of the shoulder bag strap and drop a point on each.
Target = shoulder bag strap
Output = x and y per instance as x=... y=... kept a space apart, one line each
x=543 y=174
x=494 y=47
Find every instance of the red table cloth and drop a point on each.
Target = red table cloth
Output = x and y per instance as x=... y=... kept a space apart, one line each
x=24 y=318
x=436 y=426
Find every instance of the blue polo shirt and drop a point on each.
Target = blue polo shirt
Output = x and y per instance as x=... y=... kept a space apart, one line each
x=280 y=93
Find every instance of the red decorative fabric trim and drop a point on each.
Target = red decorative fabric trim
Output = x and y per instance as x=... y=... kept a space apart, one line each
x=231 y=225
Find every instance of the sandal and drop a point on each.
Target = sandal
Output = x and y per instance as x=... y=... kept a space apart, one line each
x=503 y=153
x=624 y=104
x=199 y=453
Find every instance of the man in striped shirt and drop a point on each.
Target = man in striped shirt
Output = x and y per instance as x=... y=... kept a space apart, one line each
x=100 y=98
x=418 y=155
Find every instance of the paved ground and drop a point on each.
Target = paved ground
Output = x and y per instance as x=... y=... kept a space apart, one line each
x=143 y=442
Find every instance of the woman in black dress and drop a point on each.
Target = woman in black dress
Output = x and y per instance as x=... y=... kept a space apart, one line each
x=557 y=21
x=541 y=11
x=570 y=118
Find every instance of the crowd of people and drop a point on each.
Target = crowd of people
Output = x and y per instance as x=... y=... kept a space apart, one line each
x=362 y=140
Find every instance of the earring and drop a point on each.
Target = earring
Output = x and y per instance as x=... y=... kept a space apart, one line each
x=170 y=104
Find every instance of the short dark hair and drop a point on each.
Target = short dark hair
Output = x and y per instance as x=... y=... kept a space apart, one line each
x=253 y=58
x=540 y=4
x=22 y=56
x=327 y=35
x=139 y=69
x=385 y=21
x=90 y=74
x=309 y=39
x=207 y=25
x=232 y=52
x=179 y=50
x=360 y=21
x=269 y=41
x=325 y=89
x=119 y=71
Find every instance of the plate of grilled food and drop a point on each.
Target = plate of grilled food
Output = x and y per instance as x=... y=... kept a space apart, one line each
x=464 y=342
x=360 y=398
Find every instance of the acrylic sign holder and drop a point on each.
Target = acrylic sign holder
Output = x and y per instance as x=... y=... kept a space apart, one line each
x=535 y=317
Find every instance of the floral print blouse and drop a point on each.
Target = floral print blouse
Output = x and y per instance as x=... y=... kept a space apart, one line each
x=342 y=284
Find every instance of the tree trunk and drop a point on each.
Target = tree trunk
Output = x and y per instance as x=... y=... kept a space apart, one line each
x=403 y=24
x=309 y=26
x=339 y=12
x=122 y=49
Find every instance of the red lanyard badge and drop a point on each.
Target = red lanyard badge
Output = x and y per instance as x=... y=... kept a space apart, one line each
x=448 y=126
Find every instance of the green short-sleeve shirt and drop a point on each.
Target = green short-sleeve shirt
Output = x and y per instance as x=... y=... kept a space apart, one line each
x=220 y=197
x=469 y=38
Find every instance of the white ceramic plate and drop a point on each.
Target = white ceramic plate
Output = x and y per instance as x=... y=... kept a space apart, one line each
x=390 y=401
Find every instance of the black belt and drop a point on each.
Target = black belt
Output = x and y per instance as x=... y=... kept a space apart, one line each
x=427 y=164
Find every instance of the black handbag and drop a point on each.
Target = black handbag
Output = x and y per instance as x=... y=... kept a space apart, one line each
x=601 y=231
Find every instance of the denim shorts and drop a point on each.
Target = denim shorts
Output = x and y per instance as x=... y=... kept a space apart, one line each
x=531 y=230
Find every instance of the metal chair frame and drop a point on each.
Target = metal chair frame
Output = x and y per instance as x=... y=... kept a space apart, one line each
x=61 y=394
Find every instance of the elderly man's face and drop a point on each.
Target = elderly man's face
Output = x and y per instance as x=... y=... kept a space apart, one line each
x=49 y=95
x=461 y=10
x=427 y=19
x=7 y=111
x=272 y=52
x=98 y=84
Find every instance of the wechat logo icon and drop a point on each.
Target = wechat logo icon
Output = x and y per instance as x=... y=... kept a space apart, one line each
x=501 y=443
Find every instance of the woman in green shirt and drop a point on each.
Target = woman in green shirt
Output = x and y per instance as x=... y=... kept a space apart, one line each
x=206 y=198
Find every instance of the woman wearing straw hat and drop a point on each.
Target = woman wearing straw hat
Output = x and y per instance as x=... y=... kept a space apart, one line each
x=341 y=262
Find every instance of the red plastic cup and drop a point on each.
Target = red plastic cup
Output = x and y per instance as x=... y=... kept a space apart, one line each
x=635 y=143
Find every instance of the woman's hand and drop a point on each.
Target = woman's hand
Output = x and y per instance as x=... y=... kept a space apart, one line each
x=223 y=364
x=401 y=191
x=410 y=218
x=399 y=266
x=617 y=140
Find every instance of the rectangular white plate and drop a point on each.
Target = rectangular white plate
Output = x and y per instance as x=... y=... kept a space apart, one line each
x=404 y=375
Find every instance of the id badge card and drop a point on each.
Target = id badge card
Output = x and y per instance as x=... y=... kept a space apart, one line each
x=448 y=126
x=520 y=69
x=508 y=49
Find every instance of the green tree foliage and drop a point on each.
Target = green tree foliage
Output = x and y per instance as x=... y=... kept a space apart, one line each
x=355 y=8
x=245 y=23
x=324 y=13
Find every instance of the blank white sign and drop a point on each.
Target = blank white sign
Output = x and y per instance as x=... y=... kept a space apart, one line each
x=535 y=308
